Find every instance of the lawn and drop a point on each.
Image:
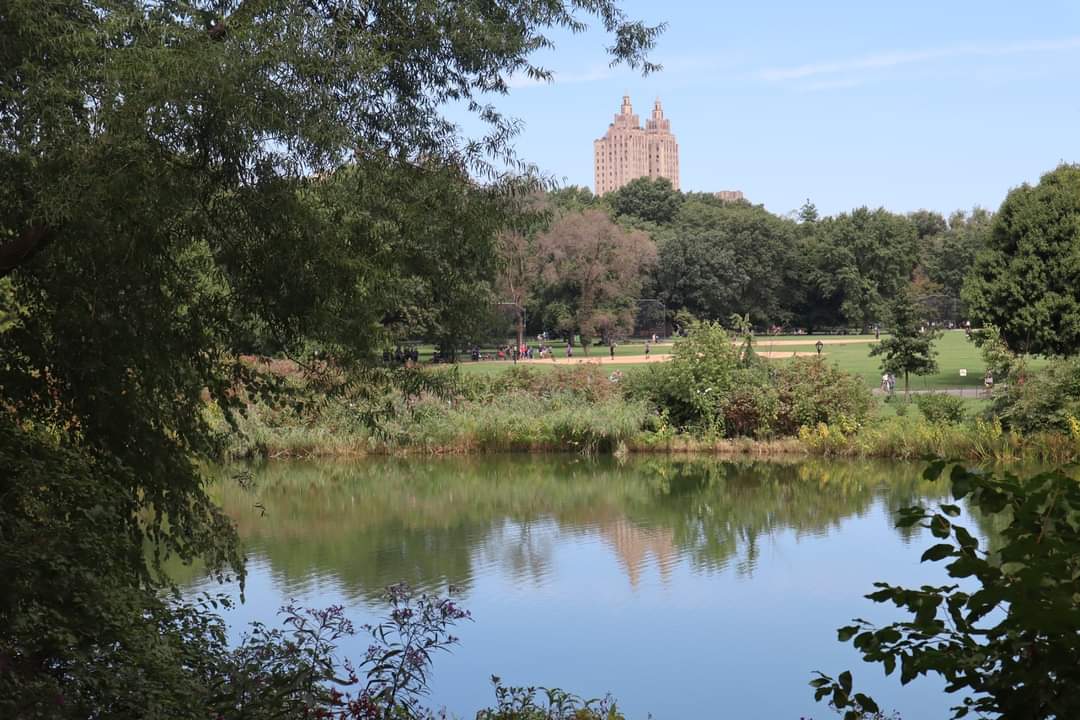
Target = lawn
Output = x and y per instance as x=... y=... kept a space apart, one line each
x=850 y=352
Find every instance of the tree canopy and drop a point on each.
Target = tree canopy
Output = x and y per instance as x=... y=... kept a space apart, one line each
x=648 y=199
x=590 y=272
x=179 y=179
x=1027 y=280
x=727 y=258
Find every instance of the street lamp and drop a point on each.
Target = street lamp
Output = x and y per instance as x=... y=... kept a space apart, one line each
x=819 y=345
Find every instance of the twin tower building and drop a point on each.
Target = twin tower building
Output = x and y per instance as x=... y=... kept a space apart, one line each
x=627 y=151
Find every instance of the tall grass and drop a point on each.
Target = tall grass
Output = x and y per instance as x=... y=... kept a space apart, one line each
x=913 y=437
x=514 y=421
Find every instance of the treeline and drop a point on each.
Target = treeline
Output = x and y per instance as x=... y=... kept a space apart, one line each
x=601 y=265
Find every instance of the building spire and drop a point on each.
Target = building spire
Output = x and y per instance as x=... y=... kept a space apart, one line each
x=627 y=109
x=657 y=110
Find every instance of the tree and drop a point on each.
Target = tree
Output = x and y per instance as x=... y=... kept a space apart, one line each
x=856 y=263
x=1027 y=281
x=947 y=257
x=592 y=270
x=652 y=200
x=171 y=174
x=725 y=259
x=1009 y=638
x=910 y=347
x=927 y=223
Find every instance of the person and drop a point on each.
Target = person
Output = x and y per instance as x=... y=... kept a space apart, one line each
x=988 y=381
x=877 y=332
x=885 y=382
x=569 y=350
x=647 y=351
x=892 y=383
x=611 y=349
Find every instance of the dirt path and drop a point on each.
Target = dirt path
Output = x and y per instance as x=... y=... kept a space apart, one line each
x=810 y=340
x=561 y=359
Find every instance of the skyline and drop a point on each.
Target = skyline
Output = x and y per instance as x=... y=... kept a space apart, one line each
x=942 y=108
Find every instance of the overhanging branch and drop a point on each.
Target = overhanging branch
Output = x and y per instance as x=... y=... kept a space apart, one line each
x=18 y=251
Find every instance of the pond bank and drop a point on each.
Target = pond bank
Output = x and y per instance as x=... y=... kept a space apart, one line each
x=901 y=438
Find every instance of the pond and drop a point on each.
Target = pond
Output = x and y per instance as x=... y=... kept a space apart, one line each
x=683 y=587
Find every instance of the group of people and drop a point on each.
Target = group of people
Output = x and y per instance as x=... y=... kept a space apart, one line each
x=401 y=355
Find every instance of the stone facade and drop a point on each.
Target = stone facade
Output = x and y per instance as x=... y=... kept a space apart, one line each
x=627 y=151
x=730 y=195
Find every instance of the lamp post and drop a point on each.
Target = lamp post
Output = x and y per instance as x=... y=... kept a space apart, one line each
x=819 y=345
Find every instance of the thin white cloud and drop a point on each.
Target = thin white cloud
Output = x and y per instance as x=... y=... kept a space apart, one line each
x=894 y=59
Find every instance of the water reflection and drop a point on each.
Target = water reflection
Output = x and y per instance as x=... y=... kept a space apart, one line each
x=435 y=523
x=681 y=585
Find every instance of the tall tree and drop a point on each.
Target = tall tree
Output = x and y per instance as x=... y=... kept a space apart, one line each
x=727 y=258
x=947 y=257
x=1027 y=280
x=592 y=271
x=648 y=199
x=169 y=170
x=856 y=263
x=909 y=349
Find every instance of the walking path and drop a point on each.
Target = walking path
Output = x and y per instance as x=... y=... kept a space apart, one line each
x=968 y=392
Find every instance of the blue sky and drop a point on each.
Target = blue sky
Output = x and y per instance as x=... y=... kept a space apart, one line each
x=941 y=105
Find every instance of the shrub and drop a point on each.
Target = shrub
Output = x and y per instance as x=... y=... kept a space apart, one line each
x=589 y=381
x=811 y=391
x=749 y=410
x=941 y=407
x=1043 y=400
x=694 y=385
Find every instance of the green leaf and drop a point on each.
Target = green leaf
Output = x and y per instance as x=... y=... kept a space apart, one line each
x=933 y=470
x=846 y=633
x=938 y=552
x=866 y=703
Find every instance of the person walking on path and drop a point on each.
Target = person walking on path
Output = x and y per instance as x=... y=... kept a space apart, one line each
x=611 y=348
x=569 y=351
x=647 y=349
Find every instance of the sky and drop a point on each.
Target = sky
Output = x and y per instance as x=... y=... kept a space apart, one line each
x=941 y=105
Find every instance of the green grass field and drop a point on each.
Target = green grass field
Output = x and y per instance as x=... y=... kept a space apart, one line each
x=955 y=353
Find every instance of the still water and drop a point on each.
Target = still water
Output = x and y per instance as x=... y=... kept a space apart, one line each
x=683 y=587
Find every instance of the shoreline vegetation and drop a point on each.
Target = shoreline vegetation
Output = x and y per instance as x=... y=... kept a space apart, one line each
x=711 y=397
x=978 y=441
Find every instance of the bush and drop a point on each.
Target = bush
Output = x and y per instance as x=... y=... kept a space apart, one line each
x=706 y=386
x=589 y=381
x=1044 y=400
x=941 y=407
x=811 y=391
x=694 y=385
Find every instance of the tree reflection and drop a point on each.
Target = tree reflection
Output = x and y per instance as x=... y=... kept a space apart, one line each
x=436 y=522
